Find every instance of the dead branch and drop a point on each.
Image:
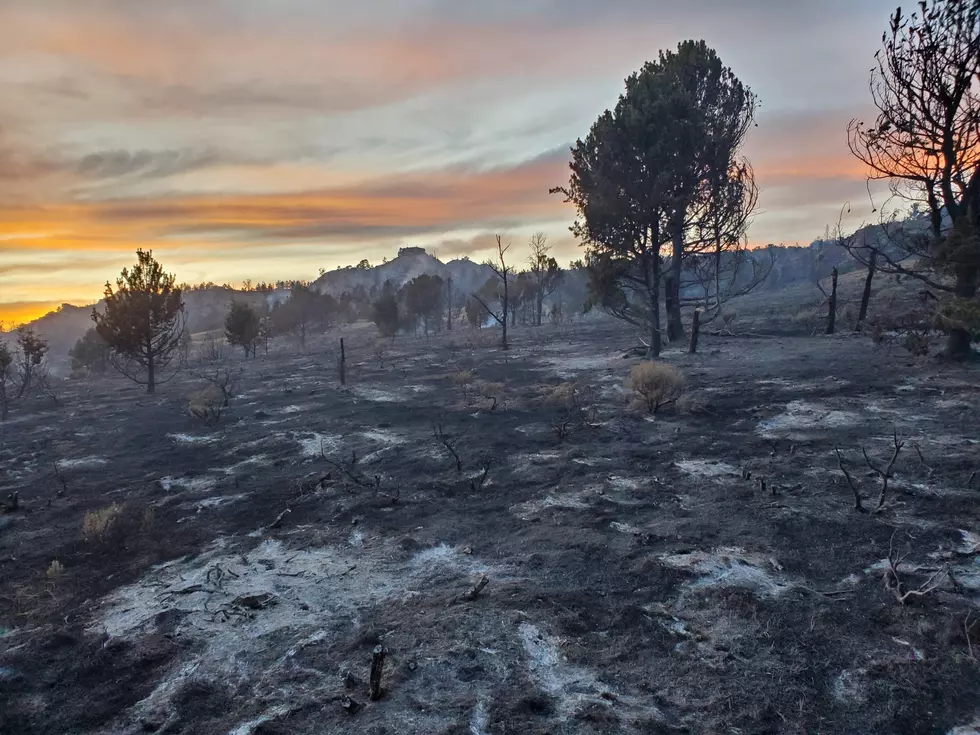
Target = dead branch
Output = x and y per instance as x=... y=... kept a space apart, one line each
x=850 y=481
x=278 y=519
x=922 y=460
x=348 y=469
x=486 y=463
x=60 y=477
x=893 y=580
x=225 y=380
x=449 y=442
x=967 y=627
x=886 y=473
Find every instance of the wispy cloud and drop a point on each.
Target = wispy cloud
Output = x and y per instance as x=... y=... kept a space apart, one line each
x=244 y=137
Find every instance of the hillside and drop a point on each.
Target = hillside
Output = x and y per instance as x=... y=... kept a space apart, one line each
x=792 y=267
x=410 y=263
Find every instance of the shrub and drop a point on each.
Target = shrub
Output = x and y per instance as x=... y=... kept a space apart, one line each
x=55 y=570
x=97 y=524
x=207 y=404
x=243 y=325
x=90 y=354
x=655 y=385
x=463 y=379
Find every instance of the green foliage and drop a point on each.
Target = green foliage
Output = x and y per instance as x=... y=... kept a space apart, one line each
x=963 y=314
x=90 y=354
x=424 y=298
x=474 y=313
x=243 y=326
x=385 y=312
x=143 y=321
x=32 y=349
x=647 y=165
x=6 y=378
x=303 y=311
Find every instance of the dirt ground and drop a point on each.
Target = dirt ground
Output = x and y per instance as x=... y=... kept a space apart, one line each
x=698 y=571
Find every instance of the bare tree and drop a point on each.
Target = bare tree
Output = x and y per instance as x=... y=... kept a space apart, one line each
x=503 y=273
x=546 y=274
x=926 y=143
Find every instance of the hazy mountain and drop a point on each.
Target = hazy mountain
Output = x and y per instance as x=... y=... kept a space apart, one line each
x=410 y=263
x=206 y=308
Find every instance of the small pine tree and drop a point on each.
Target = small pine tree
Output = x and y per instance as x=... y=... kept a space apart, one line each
x=243 y=327
x=385 y=312
x=143 y=321
x=90 y=354
x=32 y=350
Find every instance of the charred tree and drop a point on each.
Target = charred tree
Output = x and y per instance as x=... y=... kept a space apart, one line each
x=925 y=141
x=832 y=303
x=503 y=274
x=866 y=293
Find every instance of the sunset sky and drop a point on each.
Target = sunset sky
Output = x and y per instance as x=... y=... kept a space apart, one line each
x=266 y=139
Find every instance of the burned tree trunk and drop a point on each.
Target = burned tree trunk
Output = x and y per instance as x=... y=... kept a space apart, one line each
x=343 y=363
x=377 y=668
x=866 y=294
x=832 y=307
x=695 y=330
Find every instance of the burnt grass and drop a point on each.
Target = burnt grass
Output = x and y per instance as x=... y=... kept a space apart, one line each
x=640 y=577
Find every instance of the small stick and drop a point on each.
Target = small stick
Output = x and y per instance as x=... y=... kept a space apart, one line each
x=473 y=593
x=377 y=667
x=966 y=631
x=278 y=520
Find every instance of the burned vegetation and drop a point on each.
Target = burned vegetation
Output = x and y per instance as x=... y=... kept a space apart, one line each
x=466 y=501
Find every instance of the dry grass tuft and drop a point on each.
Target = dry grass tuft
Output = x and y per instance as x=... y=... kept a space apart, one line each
x=207 y=404
x=55 y=570
x=97 y=524
x=655 y=385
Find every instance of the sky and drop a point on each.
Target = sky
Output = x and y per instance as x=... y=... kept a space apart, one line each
x=266 y=139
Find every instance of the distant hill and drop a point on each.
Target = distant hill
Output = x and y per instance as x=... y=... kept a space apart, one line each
x=792 y=267
x=410 y=263
x=205 y=309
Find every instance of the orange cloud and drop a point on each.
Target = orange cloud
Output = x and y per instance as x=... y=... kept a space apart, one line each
x=259 y=229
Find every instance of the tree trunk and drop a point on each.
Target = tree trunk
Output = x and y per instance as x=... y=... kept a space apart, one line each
x=675 y=327
x=540 y=306
x=958 y=341
x=503 y=323
x=653 y=350
x=866 y=294
x=150 y=377
x=449 y=304
x=832 y=308
x=343 y=363
x=695 y=329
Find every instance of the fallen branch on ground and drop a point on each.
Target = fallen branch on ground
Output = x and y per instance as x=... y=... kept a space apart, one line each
x=893 y=580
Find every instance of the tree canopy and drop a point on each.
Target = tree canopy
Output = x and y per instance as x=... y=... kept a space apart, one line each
x=143 y=321
x=647 y=175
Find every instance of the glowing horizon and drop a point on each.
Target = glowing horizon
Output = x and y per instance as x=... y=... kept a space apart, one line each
x=263 y=141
